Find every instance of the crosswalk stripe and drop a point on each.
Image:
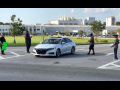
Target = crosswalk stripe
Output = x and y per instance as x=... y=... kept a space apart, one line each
x=1 y=57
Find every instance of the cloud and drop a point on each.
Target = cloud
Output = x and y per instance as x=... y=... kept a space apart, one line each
x=99 y=10
x=73 y=11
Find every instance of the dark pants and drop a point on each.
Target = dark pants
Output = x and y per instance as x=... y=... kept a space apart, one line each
x=1 y=50
x=28 y=44
x=115 y=53
x=91 y=48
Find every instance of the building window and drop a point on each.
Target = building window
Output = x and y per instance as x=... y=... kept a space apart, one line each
x=3 y=29
x=6 y=29
x=70 y=24
x=75 y=24
x=86 y=23
x=0 y=29
x=30 y=29
x=38 y=29
x=61 y=24
x=34 y=29
x=65 y=23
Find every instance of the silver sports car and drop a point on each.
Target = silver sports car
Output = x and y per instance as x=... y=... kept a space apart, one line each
x=55 y=46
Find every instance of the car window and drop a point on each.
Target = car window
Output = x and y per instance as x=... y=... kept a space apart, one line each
x=63 y=40
x=70 y=40
x=67 y=40
x=52 y=41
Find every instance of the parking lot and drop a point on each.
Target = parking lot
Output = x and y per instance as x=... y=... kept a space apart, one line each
x=19 y=65
x=103 y=59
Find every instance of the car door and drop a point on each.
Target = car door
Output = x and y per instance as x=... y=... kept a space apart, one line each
x=63 y=46
x=69 y=46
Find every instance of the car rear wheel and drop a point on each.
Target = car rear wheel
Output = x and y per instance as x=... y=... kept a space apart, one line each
x=73 y=50
x=58 y=53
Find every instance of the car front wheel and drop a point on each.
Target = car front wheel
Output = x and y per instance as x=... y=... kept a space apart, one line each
x=58 y=53
x=73 y=50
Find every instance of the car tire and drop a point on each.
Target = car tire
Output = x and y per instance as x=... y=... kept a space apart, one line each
x=73 y=50
x=58 y=53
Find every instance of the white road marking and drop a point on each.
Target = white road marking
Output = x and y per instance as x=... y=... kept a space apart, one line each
x=1 y=57
x=109 y=54
x=112 y=65
x=16 y=56
x=15 y=53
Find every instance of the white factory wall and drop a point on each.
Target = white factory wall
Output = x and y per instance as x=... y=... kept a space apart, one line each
x=61 y=28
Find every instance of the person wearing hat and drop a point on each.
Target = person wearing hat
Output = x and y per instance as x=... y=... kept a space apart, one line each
x=91 y=47
x=115 y=45
x=2 y=39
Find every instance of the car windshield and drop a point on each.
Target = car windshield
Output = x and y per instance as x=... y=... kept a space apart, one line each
x=51 y=41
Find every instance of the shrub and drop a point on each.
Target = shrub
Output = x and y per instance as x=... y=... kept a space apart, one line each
x=104 y=41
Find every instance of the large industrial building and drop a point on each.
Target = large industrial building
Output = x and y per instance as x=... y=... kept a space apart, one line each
x=66 y=23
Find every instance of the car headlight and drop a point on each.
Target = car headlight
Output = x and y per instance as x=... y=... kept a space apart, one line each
x=51 y=48
x=35 y=49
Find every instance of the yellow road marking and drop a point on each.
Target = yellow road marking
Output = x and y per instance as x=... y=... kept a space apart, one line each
x=102 y=50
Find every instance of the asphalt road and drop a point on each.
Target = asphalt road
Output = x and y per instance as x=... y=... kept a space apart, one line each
x=17 y=65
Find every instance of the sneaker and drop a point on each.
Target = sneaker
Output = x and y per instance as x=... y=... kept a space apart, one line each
x=88 y=53
x=3 y=53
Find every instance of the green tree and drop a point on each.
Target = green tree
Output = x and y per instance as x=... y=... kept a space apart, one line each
x=1 y=23
x=118 y=23
x=67 y=33
x=112 y=32
x=97 y=27
x=80 y=32
x=6 y=23
x=17 y=27
x=118 y=31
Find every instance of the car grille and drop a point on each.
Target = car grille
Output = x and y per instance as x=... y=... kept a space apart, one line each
x=41 y=51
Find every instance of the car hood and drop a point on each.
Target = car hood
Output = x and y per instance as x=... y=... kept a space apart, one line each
x=46 y=46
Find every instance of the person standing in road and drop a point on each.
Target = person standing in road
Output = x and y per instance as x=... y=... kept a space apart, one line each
x=2 y=39
x=115 y=45
x=27 y=41
x=91 y=47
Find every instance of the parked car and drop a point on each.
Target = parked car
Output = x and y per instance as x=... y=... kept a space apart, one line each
x=55 y=46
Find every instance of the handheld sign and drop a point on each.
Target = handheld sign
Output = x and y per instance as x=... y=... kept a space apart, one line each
x=4 y=46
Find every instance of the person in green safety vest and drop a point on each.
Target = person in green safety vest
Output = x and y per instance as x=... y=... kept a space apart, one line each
x=2 y=39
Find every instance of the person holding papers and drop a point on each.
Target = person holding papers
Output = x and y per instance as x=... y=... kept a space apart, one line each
x=2 y=39
x=115 y=45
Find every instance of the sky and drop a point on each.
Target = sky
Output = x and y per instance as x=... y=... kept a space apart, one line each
x=44 y=15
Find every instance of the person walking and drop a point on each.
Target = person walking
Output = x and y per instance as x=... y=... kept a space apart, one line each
x=2 y=39
x=91 y=47
x=115 y=45
x=27 y=41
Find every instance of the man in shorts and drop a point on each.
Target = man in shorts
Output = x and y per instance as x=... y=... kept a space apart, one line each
x=91 y=47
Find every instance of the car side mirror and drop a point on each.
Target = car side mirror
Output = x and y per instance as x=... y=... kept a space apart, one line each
x=63 y=42
x=41 y=42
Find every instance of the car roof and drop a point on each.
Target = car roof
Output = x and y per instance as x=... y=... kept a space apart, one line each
x=55 y=37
